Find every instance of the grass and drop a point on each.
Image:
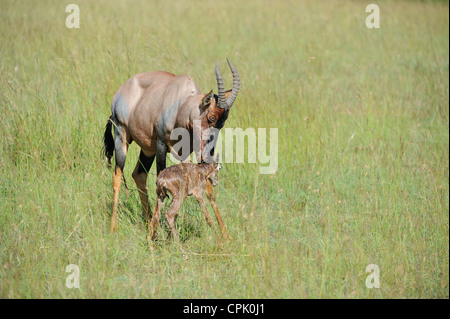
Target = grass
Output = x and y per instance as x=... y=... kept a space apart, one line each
x=363 y=171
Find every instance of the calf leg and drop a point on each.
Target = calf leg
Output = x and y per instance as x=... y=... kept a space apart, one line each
x=212 y=199
x=140 y=174
x=170 y=217
x=202 y=204
x=153 y=225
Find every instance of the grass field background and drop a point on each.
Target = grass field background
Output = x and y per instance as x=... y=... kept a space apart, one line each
x=363 y=170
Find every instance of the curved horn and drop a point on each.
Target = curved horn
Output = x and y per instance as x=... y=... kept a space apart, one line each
x=221 y=102
x=236 y=85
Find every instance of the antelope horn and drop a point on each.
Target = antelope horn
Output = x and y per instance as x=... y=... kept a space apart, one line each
x=221 y=102
x=236 y=85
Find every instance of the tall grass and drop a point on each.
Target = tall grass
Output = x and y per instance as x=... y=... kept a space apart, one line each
x=363 y=172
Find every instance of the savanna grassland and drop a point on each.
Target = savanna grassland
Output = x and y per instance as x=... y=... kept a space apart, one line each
x=363 y=170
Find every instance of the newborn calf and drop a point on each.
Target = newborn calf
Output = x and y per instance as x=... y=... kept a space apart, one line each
x=184 y=180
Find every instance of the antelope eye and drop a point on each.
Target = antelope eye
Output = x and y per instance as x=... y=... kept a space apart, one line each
x=212 y=119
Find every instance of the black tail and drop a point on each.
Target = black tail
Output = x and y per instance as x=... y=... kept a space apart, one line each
x=108 y=141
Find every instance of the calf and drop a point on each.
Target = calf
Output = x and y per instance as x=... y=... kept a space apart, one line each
x=184 y=180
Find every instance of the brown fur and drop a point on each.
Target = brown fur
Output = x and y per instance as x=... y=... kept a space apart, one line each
x=184 y=180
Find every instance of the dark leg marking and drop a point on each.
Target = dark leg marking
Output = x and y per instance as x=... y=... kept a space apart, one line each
x=161 y=151
x=140 y=174
x=145 y=163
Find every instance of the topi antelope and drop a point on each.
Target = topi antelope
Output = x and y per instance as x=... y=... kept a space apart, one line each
x=180 y=181
x=147 y=108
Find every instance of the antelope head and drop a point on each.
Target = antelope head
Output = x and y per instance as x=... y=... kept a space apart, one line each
x=215 y=111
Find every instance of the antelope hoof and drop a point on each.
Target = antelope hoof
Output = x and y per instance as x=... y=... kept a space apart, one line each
x=186 y=257
x=227 y=237
x=114 y=228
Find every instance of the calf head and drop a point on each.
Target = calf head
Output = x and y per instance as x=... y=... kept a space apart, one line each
x=214 y=170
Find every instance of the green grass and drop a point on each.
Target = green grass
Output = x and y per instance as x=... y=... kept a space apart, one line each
x=363 y=171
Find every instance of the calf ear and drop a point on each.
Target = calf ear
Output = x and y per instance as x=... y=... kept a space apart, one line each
x=217 y=165
x=206 y=101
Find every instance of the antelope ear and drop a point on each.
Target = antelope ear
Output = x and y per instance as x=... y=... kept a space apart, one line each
x=227 y=94
x=206 y=101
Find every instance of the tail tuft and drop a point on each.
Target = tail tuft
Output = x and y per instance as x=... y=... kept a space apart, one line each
x=108 y=141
